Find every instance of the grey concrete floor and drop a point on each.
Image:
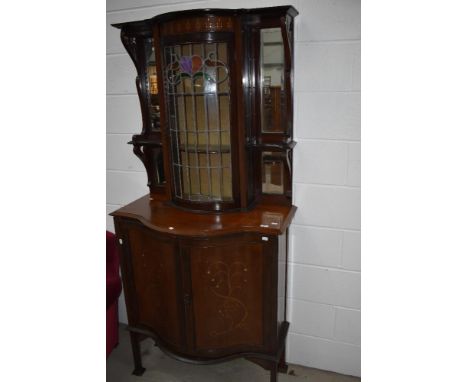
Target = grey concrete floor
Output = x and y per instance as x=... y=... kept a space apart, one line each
x=161 y=368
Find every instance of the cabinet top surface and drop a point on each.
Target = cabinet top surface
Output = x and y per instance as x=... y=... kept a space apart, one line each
x=158 y=214
x=289 y=9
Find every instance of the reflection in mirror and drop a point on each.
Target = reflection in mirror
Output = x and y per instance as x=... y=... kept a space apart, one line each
x=272 y=80
x=152 y=85
x=272 y=173
x=158 y=160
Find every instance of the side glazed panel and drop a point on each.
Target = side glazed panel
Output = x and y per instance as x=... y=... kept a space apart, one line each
x=154 y=264
x=227 y=294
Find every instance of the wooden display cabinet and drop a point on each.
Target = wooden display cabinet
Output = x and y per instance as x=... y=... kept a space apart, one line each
x=204 y=254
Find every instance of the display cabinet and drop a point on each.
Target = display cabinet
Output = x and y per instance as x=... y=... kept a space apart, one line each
x=204 y=254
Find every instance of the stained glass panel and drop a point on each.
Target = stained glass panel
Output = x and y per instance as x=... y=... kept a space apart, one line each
x=197 y=88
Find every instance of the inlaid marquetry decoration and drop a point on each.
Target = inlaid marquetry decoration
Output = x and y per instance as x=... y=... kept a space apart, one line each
x=225 y=282
x=198 y=24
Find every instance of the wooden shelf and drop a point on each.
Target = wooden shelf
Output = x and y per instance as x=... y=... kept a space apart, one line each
x=203 y=149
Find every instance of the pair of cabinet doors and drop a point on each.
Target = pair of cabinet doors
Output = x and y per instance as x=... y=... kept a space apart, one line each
x=203 y=297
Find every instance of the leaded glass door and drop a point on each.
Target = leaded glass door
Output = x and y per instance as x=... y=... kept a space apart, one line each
x=198 y=97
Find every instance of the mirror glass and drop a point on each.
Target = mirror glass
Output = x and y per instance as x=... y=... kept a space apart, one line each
x=152 y=85
x=272 y=80
x=272 y=173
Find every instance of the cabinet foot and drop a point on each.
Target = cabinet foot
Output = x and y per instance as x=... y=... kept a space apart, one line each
x=282 y=365
x=139 y=372
x=274 y=372
x=135 y=340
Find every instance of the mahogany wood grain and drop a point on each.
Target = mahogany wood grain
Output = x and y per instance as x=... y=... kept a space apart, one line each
x=157 y=213
x=154 y=260
x=205 y=23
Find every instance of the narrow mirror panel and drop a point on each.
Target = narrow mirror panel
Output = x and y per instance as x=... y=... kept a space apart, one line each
x=152 y=85
x=158 y=160
x=272 y=173
x=272 y=80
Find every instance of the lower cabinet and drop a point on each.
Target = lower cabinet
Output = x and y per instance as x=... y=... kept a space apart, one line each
x=205 y=299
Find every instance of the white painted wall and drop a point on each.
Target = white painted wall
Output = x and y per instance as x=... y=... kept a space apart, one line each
x=324 y=291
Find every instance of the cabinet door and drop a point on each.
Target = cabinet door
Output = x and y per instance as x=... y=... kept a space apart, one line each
x=230 y=303
x=152 y=261
x=200 y=108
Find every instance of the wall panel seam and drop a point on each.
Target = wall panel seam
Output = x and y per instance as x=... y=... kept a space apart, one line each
x=330 y=185
x=118 y=94
x=323 y=267
x=345 y=40
x=325 y=339
x=121 y=94
x=324 y=303
x=341 y=248
x=329 y=42
x=125 y=171
x=116 y=54
x=299 y=139
x=326 y=227
x=327 y=91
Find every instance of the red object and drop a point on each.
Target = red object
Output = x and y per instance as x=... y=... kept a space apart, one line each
x=113 y=290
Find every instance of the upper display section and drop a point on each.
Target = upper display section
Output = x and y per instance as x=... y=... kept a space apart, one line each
x=215 y=88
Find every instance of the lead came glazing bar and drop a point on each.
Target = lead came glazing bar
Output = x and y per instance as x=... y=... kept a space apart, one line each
x=189 y=68
x=200 y=131
x=172 y=116
x=180 y=165
x=176 y=124
x=184 y=118
x=218 y=124
x=208 y=154
x=175 y=93
x=195 y=125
